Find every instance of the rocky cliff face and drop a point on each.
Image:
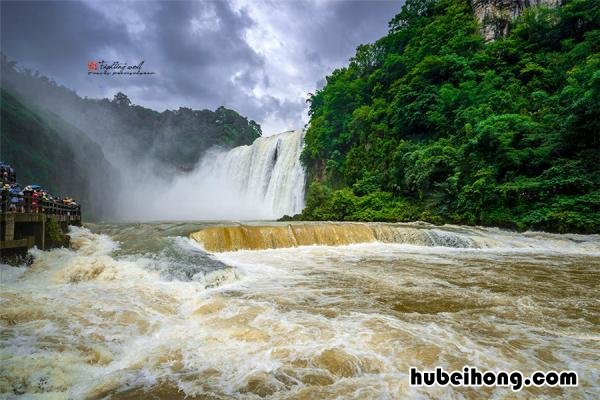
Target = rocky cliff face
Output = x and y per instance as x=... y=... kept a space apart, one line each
x=495 y=15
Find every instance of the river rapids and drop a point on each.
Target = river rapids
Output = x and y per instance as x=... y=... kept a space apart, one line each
x=143 y=311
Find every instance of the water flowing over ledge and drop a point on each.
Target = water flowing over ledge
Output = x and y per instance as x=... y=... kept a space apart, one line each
x=264 y=180
x=139 y=311
x=266 y=177
x=252 y=237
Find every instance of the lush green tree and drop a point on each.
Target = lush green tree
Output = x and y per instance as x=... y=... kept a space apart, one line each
x=121 y=99
x=430 y=122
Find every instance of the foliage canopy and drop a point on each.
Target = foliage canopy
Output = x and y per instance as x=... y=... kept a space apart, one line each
x=430 y=122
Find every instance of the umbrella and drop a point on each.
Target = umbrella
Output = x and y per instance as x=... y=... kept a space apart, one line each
x=35 y=187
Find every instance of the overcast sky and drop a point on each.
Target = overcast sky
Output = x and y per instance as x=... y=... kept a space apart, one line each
x=260 y=58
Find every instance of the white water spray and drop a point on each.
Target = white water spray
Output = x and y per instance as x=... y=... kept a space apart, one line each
x=264 y=180
x=267 y=174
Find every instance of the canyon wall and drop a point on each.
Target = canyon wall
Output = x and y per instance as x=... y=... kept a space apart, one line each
x=495 y=15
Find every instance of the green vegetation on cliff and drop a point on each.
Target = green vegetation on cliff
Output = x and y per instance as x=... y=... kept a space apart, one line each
x=46 y=150
x=432 y=123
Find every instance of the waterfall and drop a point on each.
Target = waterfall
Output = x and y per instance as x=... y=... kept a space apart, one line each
x=264 y=179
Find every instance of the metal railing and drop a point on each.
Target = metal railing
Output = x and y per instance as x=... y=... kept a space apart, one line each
x=27 y=203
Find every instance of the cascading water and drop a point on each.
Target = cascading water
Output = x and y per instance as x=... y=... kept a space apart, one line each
x=264 y=180
x=267 y=174
x=138 y=311
x=323 y=310
x=279 y=235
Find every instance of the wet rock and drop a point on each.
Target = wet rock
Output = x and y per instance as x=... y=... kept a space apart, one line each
x=494 y=16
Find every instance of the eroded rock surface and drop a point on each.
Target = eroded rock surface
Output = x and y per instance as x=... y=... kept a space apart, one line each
x=495 y=15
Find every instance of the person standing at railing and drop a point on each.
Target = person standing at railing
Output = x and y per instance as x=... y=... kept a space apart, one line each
x=75 y=207
x=5 y=205
x=35 y=201
x=46 y=202
x=67 y=201
x=16 y=198
x=57 y=204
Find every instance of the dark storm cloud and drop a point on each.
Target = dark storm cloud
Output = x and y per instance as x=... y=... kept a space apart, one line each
x=56 y=36
x=260 y=58
x=354 y=23
x=201 y=46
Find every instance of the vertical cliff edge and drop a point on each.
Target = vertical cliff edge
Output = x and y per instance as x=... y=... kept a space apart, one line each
x=495 y=15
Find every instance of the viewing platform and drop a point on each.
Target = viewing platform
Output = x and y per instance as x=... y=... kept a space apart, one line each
x=25 y=222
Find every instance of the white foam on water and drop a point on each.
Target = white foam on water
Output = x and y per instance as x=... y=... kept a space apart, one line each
x=9 y=273
x=266 y=176
x=311 y=322
x=78 y=315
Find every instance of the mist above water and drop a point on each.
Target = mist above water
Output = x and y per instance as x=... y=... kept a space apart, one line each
x=264 y=180
x=142 y=165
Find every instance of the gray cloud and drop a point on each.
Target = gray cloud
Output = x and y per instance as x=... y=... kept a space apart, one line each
x=55 y=36
x=260 y=58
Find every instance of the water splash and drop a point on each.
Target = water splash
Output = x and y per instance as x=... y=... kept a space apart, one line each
x=300 y=322
x=262 y=181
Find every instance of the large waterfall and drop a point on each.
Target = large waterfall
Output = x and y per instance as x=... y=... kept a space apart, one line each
x=265 y=179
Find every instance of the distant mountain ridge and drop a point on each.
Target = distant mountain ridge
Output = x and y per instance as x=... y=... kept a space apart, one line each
x=175 y=139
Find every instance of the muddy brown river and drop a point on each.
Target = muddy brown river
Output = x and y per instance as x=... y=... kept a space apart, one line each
x=143 y=311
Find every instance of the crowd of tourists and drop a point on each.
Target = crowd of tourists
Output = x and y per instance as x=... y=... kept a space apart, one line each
x=14 y=195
